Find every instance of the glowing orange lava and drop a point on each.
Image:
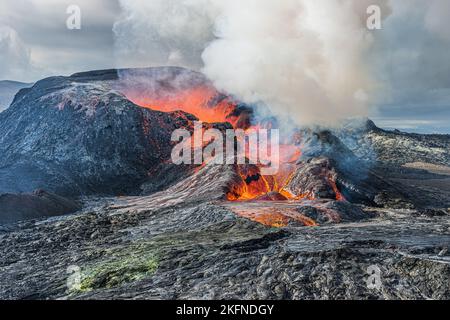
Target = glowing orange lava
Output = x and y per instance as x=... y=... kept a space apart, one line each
x=203 y=102
x=257 y=186
x=339 y=196
x=273 y=217
x=209 y=106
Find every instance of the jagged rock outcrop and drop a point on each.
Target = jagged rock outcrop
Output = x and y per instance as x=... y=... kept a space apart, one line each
x=314 y=179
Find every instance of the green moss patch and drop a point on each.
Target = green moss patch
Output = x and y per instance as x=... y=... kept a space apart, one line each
x=119 y=271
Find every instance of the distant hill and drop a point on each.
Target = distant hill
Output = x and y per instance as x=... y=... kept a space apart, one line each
x=8 y=90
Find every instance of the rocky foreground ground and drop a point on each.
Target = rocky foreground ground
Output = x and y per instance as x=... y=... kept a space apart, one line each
x=176 y=244
x=205 y=251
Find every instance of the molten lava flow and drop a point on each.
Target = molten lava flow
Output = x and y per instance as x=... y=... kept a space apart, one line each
x=203 y=102
x=256 y=184
x=276 y=217
x=209 y=106
x=332 y=182
x=266 y=188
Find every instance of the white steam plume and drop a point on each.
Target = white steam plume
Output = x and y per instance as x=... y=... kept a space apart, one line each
x=15 y=57
x=163 y=32
x=305 y=60
x=437 y=18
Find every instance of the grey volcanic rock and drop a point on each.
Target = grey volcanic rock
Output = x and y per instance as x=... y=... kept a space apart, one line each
x=17 y=207
x=333 y=212
x=79 y=136
x=137 y=248
x=313 y=179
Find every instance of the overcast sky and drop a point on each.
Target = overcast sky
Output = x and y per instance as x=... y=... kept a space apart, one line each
x=410 y=58
x=35 y=42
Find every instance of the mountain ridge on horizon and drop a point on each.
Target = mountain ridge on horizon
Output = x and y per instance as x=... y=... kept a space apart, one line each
x=8 y=90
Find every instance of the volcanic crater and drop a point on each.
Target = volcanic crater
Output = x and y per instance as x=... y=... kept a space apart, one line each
x=344 y=199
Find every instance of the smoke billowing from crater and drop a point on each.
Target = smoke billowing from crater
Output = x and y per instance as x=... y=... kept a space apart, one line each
x=305 y=60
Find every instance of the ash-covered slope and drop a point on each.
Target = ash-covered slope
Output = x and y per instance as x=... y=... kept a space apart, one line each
x=78 y=135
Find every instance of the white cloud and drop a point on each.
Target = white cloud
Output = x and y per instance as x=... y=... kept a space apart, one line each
x=15 y=56
x=54 y=50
